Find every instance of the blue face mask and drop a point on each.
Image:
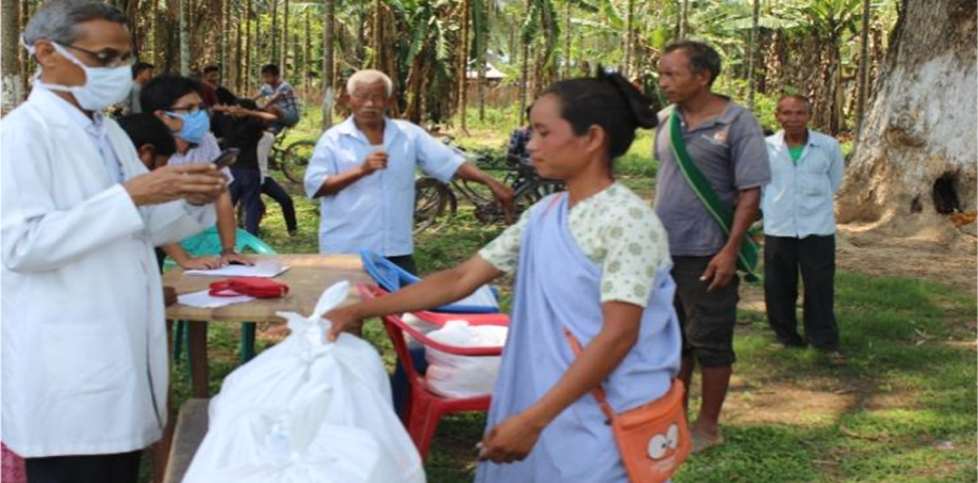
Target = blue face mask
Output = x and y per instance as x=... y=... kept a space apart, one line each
x=195 y=126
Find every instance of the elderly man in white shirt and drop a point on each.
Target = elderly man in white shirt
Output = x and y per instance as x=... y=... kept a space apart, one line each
x=362 y=170
x=84 y=367
x=799 y=227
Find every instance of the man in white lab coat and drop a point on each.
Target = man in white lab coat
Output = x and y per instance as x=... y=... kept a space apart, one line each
x=84 y=368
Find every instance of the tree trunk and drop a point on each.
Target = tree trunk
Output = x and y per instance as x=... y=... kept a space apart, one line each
x=463 y=64
x=377 y=29
x=568 y=12
x=284 y=60
x=920 y=126
x=226 y=49
x=524 y=70
x=26 y=63
x=328 y=23
x=238 y=67
x=11 y=88
x=482 y=41
x=273 y=37
x=629 y=39
x=862 y=79
x=683 y=19
x=249 y=47
x=752 y=54
x=307 y=53
x=184 y=38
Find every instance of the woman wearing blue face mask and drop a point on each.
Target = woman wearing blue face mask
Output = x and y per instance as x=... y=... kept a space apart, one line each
x=177 y=101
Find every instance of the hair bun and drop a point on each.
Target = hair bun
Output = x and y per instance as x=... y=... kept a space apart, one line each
x=638 y=103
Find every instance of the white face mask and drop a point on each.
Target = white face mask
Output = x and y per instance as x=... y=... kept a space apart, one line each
x=104 y=86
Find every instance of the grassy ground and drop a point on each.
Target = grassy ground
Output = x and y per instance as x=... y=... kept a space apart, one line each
x=902 y=408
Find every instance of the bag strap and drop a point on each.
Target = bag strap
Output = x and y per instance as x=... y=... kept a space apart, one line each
x=747 y=256
x=598 y=391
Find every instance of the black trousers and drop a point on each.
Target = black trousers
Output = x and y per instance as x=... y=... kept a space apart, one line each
x=106 y=468
x=815 y=257
x=406 y=262
x=247 y=189
x=271 y=188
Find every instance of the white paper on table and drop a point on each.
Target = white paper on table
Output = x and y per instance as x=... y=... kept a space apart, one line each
x=261 y=269
x=204 y=300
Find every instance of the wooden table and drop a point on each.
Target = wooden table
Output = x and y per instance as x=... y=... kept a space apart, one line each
x=307 y=277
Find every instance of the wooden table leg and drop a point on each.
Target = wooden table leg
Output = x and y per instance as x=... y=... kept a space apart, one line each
x=199 y=370
x=161 y=450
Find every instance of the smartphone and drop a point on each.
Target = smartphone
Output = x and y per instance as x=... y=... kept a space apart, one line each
x=226 y=158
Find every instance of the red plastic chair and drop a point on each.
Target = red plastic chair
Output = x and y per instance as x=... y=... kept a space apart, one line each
x=426 y=407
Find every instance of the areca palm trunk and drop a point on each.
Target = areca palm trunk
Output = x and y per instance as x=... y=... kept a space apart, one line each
x=482 y=34
x=377 y=35
x=284 y=59
x=26 y=64
x=862 y=79
x=307 y=53
x=524 y=72
x=249 y=45
x=273 y=37
x=184 y=38
x=629 y=38
x=328 y=24
x=463 y=64
x=752 y=54
x=567 y=40
x=683 y=19
x=11 y=72
x=237 y=53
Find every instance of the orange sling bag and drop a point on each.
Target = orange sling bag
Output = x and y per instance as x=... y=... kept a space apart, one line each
x=653 y=439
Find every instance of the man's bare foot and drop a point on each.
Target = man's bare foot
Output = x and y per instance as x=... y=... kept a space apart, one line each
x=705 y=436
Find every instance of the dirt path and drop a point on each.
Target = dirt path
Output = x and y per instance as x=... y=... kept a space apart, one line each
x=952 y=263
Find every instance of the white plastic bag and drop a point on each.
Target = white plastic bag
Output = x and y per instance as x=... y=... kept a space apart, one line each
x=420 y=325
x=464 y=376
x=307 y=411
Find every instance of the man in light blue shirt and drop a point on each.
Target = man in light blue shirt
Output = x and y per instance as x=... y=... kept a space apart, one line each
x=363 y=169
x=799 y=227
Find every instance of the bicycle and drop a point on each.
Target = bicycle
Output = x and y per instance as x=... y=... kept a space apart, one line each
x=436 y=203
x=293 y=159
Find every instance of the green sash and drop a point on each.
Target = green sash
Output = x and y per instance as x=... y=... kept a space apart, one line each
x=747 y=256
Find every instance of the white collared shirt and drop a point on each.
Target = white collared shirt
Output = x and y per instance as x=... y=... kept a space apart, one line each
x=205 y=152
x=799 y=200
x=377 y=211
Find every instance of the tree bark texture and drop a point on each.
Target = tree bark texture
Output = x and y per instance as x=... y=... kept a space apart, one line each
x=920 y=126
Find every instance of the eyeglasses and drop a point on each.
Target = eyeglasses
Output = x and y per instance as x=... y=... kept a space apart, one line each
x=107 y=57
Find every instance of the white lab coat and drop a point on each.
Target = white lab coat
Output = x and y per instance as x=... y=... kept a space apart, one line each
x=84 y=365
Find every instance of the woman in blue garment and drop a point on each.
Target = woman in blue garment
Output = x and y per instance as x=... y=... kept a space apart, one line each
x=593 y=259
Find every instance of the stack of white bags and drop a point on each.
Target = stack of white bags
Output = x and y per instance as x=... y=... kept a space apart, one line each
x=464 y=376
x=308 y=411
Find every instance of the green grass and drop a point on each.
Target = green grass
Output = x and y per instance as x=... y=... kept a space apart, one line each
x=909 y=384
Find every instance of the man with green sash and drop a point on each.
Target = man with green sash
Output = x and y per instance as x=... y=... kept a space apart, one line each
x=712 y=164
x=799 y=228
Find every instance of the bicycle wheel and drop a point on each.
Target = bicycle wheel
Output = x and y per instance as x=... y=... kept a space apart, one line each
x=533 y=191
x=295 y=159
x=434 y=204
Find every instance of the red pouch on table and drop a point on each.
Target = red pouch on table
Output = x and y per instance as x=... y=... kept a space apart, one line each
x=260 y=288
